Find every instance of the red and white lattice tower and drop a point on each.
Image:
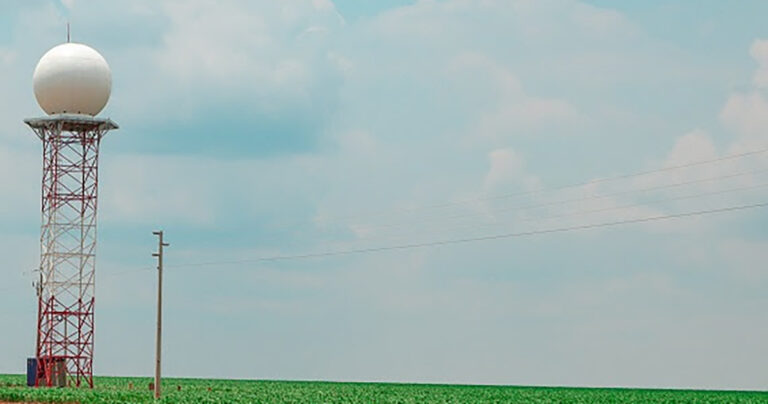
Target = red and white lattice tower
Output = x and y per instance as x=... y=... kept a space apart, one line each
x=72 y=84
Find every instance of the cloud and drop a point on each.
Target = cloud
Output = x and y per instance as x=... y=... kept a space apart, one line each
x=7 y=57
x=255 y=67
x=692 y=147
x=253 y=49
x=323 y=5
x=528 y=116
x=506 y=110
x=759 y=52
x=507 y=167
x=747 y=114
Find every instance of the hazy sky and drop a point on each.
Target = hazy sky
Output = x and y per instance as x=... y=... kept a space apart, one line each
x=259 y=128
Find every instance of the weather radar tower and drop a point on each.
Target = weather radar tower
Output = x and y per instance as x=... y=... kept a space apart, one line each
x=72 y=84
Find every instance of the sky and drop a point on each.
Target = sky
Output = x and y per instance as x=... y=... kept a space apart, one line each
x=253 y=129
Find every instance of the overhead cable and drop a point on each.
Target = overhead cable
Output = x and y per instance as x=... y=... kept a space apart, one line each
x=561 y=187
x=580 y=212
x=477 y=239
x=567 y=201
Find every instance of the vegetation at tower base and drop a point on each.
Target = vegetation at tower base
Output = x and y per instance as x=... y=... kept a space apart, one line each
x=135 y=390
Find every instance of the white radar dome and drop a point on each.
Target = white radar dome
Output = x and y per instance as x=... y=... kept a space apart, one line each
x=72 y=78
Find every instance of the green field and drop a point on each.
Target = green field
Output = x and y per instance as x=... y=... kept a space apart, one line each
x=117 y=390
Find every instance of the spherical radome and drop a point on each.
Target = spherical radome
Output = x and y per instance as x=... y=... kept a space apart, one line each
x=72 y=78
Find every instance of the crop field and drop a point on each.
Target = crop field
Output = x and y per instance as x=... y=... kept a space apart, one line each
x=135 y=390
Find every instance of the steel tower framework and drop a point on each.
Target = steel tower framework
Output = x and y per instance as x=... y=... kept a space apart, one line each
x=67 y=247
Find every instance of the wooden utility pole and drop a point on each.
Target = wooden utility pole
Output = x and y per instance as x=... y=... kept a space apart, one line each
x=159 y=255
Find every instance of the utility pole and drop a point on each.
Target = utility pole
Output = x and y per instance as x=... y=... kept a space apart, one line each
x=159 y=255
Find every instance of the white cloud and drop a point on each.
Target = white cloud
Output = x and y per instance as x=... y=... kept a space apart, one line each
x=692 y=147
x=228 y=44
x=528 y=116
x=598 y=21
x=505 y=110
x=759 y=52
x=7 y=56
x=747 y=114
x=323 y=4
x=507 y=168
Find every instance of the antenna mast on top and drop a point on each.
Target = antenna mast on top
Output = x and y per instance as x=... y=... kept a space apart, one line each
x=68 y=33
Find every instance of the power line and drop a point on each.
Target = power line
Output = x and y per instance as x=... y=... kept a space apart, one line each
x=477 y=239
x=585 y=212
x=524 y=193
x=537 y=219
x=337 y=222
x=567 y=201
x=673 y=199
x=562 y=187
x=125 y=272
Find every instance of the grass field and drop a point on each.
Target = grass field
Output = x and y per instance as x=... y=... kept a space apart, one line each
x=117 y=390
